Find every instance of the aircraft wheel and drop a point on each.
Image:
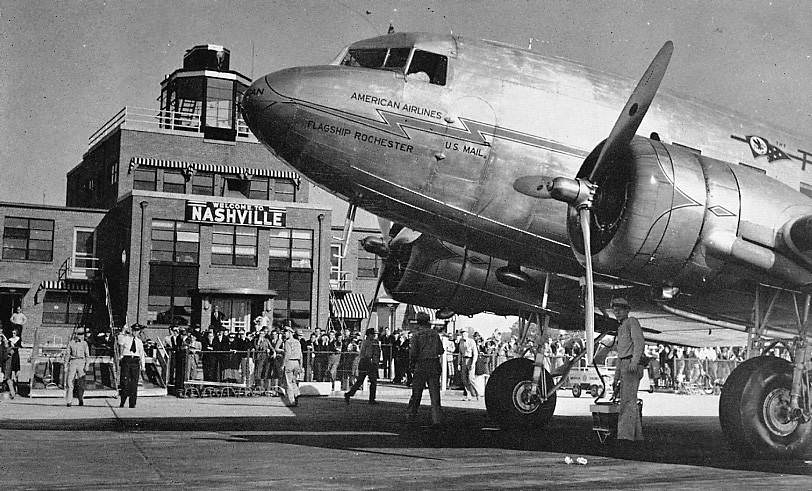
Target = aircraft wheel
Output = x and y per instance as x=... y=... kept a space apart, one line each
x=650 y=389
x=576 y=390
x=509 y=398
x=754 y=410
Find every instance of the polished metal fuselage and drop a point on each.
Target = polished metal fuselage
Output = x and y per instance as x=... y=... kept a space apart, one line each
x=443 y=159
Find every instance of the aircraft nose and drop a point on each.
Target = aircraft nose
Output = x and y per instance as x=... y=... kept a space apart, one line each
x=267 y=108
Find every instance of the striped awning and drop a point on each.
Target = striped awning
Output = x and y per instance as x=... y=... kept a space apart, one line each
x=350 y=306
x=215 y=168
x=65 y=285
x=430 y=312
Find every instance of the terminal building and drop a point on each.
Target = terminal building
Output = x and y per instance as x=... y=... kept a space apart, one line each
x=175 y=211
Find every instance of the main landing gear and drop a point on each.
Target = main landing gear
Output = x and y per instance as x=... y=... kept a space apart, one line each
x=755 y=410
x=510 y=397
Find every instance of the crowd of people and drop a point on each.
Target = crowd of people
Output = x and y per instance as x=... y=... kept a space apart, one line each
x=253 y=357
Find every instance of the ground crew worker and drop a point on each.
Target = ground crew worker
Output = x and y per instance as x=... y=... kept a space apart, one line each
x=630 y=348
x=425 y=348
x=367 y=366
x=133 y=361
x=292 y=366
x=77 y=357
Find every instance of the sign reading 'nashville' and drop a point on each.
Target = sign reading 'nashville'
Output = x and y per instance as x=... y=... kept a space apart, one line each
x=234 y=214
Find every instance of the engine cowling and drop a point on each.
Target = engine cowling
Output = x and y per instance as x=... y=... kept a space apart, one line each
x=662 y=211
x=438 y=274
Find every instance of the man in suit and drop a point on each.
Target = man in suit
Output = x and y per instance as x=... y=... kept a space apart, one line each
x=133 y=362
x=387 y=341
x=221 y=346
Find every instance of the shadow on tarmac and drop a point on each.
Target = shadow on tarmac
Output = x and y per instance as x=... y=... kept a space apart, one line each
x=328 y=423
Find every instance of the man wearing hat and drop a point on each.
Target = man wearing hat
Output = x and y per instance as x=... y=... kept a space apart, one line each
x=367 y=366
x=630 y=347
x=425 y=348
x=133 y=361
x=292 y=365
x=77 y=356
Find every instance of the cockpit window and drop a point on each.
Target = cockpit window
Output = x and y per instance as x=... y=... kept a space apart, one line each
x=434 y=66
x=367 y=58
x=397 y=58
x=426 y=66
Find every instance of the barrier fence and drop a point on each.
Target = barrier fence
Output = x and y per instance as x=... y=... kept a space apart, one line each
x=254 y=372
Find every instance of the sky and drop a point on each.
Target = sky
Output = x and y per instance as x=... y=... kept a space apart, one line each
x=69 y=66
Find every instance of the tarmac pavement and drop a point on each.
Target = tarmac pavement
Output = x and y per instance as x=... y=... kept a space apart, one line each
x=323 y=443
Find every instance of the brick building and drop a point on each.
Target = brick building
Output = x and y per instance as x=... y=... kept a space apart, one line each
x=171 y=212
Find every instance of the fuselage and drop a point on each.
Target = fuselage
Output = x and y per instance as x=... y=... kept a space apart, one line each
x=432 y=131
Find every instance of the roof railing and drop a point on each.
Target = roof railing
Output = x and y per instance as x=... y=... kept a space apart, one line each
x=160 y=121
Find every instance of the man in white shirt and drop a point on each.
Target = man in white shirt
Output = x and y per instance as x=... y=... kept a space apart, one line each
x=133 y=362
x=468 y=354
x=18 y=320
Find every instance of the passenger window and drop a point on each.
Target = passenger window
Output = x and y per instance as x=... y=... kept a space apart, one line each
x=367 y=58
x=397 y=58
x=434 y=66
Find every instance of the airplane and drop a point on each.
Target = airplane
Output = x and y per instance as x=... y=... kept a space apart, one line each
x=504 y=186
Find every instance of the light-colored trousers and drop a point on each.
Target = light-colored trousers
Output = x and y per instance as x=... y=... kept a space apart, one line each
x=292 y=370
x=629 y=426
x=75 y=369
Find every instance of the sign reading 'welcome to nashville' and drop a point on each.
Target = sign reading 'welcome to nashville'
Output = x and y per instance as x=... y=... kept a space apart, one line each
x=251 y=215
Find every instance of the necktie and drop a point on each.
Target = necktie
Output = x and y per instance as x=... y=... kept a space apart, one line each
x=133 y=347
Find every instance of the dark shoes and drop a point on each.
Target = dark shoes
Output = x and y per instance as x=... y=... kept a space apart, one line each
x=69 y=404
x=81 y=402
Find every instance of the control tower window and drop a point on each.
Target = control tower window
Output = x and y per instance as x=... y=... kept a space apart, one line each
x=433 y=65
x=219 y=102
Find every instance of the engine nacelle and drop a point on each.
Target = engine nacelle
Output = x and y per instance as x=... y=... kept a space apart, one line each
x=662 y=211
x=437 y=274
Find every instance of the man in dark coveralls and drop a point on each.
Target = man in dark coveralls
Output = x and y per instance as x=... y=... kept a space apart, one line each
x=425 y=349
x=630 y=347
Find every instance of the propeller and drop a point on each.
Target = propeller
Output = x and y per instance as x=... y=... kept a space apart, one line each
x=580 y=192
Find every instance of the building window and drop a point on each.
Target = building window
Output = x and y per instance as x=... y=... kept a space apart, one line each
x=169 y=301
x=203 y=183
x=367 y=264
x=177 y=242
x=28 y=239
x=293 y=299
x=284 y=190
x=114 y=172
x=144 y=179
x=174 y=182
x=234 y=246
x=259 y=188
x=61 y=307
x=289 y=248
x=236 y=187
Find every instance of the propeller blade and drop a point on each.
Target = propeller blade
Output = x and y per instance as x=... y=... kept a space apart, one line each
x=406 y=236
x=385 y=226
x=589 y=301
x=533 y=186
x=636 y=107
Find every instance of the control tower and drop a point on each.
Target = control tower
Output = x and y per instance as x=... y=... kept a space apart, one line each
x=204 y=95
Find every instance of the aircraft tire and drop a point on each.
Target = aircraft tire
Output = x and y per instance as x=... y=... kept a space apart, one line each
x=506 y=396
x=751 y=410
x=576 y=390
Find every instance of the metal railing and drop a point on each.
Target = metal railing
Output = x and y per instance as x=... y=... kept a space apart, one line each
x=160 y=120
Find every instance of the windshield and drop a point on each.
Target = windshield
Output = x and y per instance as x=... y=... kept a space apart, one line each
x=425 y=66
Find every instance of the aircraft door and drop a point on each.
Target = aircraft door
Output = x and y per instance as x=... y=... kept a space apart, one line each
x=461 y=168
